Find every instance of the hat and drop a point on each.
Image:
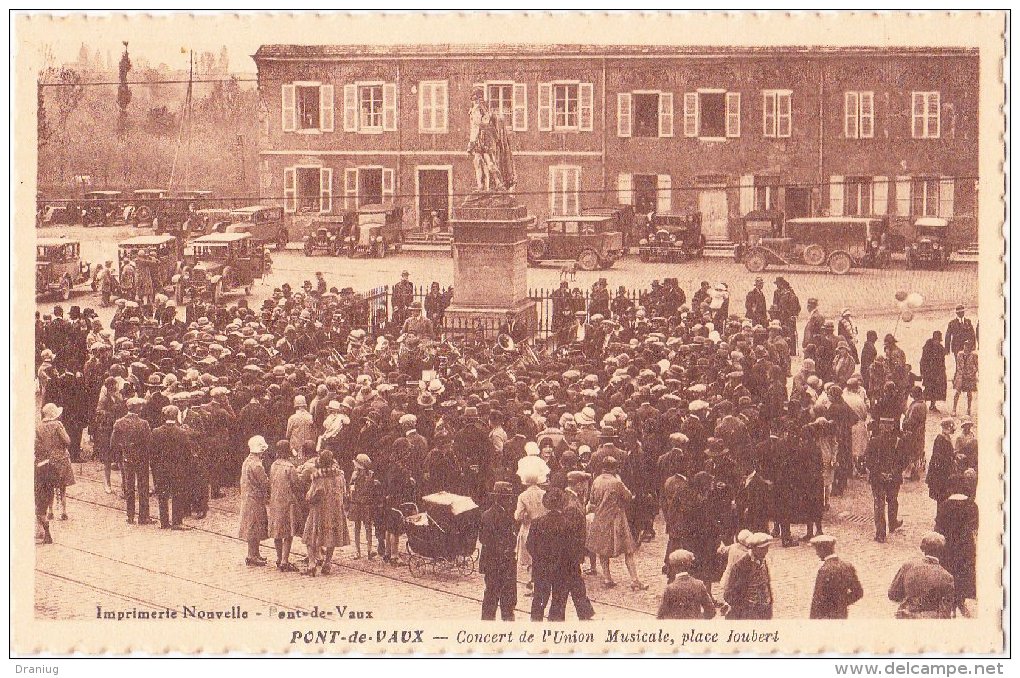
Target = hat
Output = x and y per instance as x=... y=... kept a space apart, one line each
x=758 y=539
x=531 y=448
x=932 y=541
x=470 y=411
x=966 y=421
x=299 y=401
x=948 y=422
x=680 y=558
x=257 y=445
x=502 y=489
x=408 y=420
x=959 y=308
x=51 y=411
x=577 y=476
x=171 y=412
x=333 y=405
x=363 y=461
x=823 y=540
x=744 y=535
x=889 y=339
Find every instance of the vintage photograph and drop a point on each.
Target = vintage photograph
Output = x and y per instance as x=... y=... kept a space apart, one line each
x=358 y=341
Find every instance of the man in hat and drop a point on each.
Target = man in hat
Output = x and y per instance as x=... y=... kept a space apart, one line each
x=221 y=424
x=755 y=307
x=924 y=588
x=912 y=439
x=749 y=589
x=403 y=296
x=837 y=586
x=685 y=597
x=557 y=549
x=300 y=426
x=943 y=465
x=814 y=322
x=885 y=463
x=130 y=443
x=417 y=324
x=254 y=485
x=960 y=331
x=171 y=468
x=497 y=562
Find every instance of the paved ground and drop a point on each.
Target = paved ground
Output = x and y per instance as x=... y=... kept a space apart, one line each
x=100 y=560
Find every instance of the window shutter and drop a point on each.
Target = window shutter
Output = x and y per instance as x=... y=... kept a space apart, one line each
x=289 y=189
x=746 y=193
x=835 y=196
x=664 y=196
x=934 y=115
x=624 y=102
x=586 y=94
x=733 y=114
x=625 y=188
x=946 y=190
x=867 y=115
x=288 y=110
x=691 y=114
x=442 y=103
x=784 y=115
x=768 y=114
x=350 y=108
x=326 y=108
x=424 y=106
x=520 y=107
x=903 y=196
x=351 y=188
x=665 y=114
x=389 y=114
x=545 y=106
x=575 y=190
x=325 y=190
x=880 y=195
x=850 y=115
x=917 y=114
x=555 y=189
x=388 y=183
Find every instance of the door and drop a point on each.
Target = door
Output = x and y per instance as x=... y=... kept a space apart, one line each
x=798 y=203
x=369 y=186
x=715 y=213
x=645 y=193
x=433 y=198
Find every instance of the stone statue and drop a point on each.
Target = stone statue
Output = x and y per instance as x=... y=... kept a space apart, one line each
x=489 y=147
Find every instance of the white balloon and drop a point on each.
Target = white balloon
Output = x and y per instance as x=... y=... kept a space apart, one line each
x=915 y=300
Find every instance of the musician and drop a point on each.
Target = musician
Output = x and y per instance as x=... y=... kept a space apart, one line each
x=513 y=327
x=622 y=307
x=418 y=324
x=410 y=357
x=580 y=333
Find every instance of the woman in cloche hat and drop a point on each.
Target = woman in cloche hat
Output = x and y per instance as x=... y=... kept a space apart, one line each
x=53 y=443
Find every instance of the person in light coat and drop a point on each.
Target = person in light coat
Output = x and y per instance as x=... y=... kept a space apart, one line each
x=610 y=535
x=52 y=442
x=300 y=426
x=529 y=505
x=856 y=398
x=285 y=496
x=254 y=497
x=326 y=525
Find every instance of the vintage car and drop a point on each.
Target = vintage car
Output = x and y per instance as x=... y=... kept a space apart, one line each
x=59 y=213
x=930 y=246
x=58 y=267
x=594 y=242
x=329 y=235
x=210 y=220
x=673 y=236
x=378 y=230
x=837 y=242
x=161 y=252
x=220 y=262
x=265 y=223
x=143 y=205
x=100 y=208
x=626 y=221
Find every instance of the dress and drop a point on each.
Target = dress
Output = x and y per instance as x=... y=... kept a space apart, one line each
x=957 y=522
x=965 y=379
x=284 y=500
x=610 y=534
x=51 y=441
x=529 y=509
x=254 y=495
x=933 y=370
x=326 y=525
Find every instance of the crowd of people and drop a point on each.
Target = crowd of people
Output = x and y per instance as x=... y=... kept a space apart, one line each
x=572 y=447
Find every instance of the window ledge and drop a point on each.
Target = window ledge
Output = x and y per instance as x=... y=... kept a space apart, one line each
x=309 y=130
x=370 y=130
x=713 y=139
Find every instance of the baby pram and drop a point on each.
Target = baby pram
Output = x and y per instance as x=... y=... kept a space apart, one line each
x=443 y=536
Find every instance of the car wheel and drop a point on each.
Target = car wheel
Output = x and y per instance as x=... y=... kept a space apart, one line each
x=144 y=213
x=643 y=255
x=536 y=250
x=65 y=289
x=840 y=263
x=589 y=260
x=814 y=255
x=755 y=262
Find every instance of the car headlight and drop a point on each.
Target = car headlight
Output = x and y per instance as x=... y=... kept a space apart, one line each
x=643 y=241
x=350 y=238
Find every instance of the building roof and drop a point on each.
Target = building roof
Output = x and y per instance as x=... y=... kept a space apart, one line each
x=53 y=242
x=407 y=51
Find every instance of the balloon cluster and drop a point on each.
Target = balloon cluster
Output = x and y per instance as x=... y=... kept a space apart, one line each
x=908 y=302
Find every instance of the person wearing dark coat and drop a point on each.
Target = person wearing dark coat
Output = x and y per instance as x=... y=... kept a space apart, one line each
x=755 y=307
x=130 y=441
x=959 y=331
x=942 y=466
x=885 y=473
x=555 y=550
x=754 y=503
x=868 y=354
x=685 y=597
x=786 y=502
x=933 y=370
x=957 y=521
x=924 y=588
x=171 y=459
x=497 y=562
x=837 y=586
x=749 y=588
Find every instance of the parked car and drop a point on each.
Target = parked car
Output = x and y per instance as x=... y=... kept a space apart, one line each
x=143 y=205
x=221 y=262
x=330 y=234
x=673 y=236
x=58 y=267
x=210 y=220
x=594 y=242
x=59 y=213
x=101 y=208
x=164 y=255
x=265 y=223
x=378 y=230
x=837 y=242
x=626 y=220
x=930 y=245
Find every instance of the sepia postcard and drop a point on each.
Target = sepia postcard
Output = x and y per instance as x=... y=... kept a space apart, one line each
x=546 y=333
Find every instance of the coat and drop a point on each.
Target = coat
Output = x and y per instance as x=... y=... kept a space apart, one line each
x=957 y=522
x=933 y=371
x=285 y=497
x=555 y=543
x=837 y=587
x=529 y=509
x=941 y=467
x=171 y=459
x=497 y=535
x=749 y=590
x=965 y=378
x=254 y=497
x=958 y=332
x=326 y=525
x=924 y=589
x=51 y=442
x=686 y=598
x=130 y=440
x=610 y=534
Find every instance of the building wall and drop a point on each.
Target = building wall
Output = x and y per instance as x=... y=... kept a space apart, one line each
x=815 y=154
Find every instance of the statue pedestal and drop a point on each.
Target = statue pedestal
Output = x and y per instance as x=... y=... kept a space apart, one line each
x=490 y=258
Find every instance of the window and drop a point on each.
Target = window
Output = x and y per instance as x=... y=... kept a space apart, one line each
x=565 y=106
x=308 y=189
x=564 y=187
x=776 y=113
x=924 y=192
x=766 y=192
x=859 y=115
x=307 y=107
x=433 y=104
x=510 y=100
x=644 y=114
x=926 y=115
x=370 y=107
x=369 y=185
x=501 y=98
x=857 y=197
x=712 y=114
